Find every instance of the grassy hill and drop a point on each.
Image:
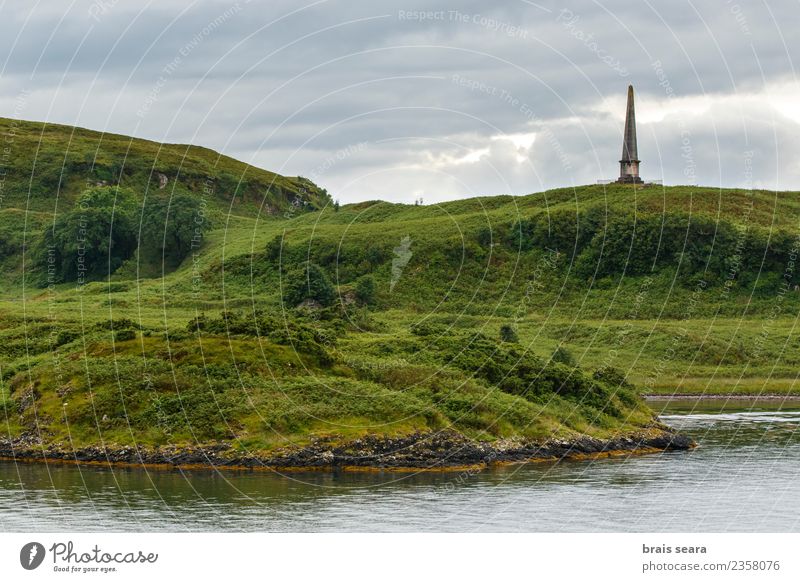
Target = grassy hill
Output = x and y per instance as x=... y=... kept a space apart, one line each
x=498 y=318
x=47 y=165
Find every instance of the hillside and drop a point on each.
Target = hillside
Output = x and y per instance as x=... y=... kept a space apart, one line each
x=686 y=289
x=498 y=319
x=47 y=165
x=45 y=168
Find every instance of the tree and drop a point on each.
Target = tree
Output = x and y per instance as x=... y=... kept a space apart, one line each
x=172 y=227
x=9 y=246
x=92 y=239
x=308 y=281
x=508 y=333
x=274 y=248
x=366 y=290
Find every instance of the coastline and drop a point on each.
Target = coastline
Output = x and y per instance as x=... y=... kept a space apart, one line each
x=441 y=451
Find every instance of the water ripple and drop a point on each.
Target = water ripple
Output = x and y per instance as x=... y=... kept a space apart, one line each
x=742 y=477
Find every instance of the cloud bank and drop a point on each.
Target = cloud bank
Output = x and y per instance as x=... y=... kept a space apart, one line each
x=401 y=100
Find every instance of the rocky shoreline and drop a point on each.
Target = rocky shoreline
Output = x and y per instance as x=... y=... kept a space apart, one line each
x=443 y=450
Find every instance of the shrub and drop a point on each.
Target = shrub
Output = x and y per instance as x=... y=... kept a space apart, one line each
x=641 y=244
x=172 y=227
x=91 y=240
x=8 y=246
x=66 y=336
x=563 y=356
x=508 y=333
x=612 y=376
x=564 y=230
x=309 y=338
x=425 y=329
x=273 y=249
x=124 y=335
x=308 y=281
x=366 y=290
x=518 y=372
x=485 y=236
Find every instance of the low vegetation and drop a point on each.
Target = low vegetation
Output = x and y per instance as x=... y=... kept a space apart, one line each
x=145 y=306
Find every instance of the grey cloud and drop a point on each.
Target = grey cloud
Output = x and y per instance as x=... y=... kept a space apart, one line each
x=367 y=74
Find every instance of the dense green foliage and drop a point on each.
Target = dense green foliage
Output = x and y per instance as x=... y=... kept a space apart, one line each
x=308 y=282
x=508 y=333
x=93 y=238
x=602 y=244
x=172 y=227
x=9 y=247
x=563 y=356
x=366 y=290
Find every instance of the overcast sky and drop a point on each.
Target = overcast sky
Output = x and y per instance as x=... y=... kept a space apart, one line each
x=400 y=100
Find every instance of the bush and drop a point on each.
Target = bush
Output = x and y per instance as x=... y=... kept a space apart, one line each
x=564 y=230
x=91 y=240
x=8 y=246
x=366 y=290
x=273 y=249
x=124 y=335
x=563 y=356
x=425 y=329
x=518 y=372
x=508 y=333
x=485 y=236
x=612 y=376
x=641 y=244
x=172 y=227
x=308 y=282
x=311 y=338
x=66 y=336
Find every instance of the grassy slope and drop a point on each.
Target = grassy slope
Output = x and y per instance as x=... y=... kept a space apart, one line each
x=47 y=165
x=378 y=376
x=735 y=339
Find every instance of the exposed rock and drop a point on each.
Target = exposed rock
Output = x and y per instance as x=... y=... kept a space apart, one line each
x=348 y=297
x=436 y=450
x=27 y=399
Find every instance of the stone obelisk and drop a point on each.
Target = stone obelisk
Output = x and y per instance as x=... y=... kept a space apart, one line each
x=629 y=164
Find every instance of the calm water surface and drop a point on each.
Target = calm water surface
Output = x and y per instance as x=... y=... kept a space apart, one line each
x=745 y=476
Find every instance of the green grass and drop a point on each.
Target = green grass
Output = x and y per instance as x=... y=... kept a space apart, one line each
x=48 y=165
x=695 y=312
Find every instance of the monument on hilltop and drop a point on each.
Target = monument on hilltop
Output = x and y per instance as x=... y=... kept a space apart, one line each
x=629 y=164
